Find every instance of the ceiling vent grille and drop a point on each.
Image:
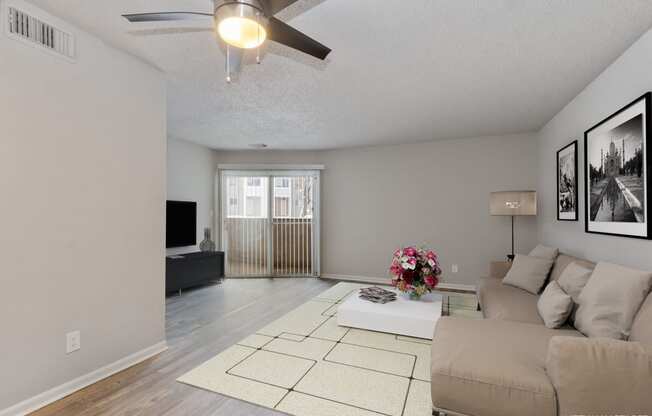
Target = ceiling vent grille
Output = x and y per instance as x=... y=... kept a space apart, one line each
x=28 y=28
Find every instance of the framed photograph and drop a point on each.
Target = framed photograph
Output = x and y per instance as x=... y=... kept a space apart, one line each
x=617 y=172
x=567 y=183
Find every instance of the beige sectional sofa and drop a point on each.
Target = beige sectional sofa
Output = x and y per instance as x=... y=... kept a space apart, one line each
x=510 y=364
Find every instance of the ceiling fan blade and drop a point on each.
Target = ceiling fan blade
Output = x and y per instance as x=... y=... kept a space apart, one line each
x=170 y=31
x=165 y=16
x=289 y=36
x=274 y=6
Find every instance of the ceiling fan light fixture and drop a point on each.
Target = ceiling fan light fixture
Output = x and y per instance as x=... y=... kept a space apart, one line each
x=241 y=24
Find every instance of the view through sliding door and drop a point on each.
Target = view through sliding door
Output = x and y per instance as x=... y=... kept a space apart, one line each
x=269 y=223
x=245 y=225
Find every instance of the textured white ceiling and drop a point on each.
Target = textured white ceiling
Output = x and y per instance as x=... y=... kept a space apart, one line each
x=400 y=71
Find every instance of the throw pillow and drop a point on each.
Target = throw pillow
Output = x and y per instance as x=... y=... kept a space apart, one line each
x=528 y=273
x=544 y=252
x=610 y=300
x=573 y=279
x=554 y=306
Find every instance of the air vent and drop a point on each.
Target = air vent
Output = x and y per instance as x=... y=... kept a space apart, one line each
x=28 y=28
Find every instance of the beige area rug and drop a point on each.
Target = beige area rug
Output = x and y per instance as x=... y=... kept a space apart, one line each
x=304 y=364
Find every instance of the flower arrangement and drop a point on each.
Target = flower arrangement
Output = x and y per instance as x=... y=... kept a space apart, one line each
x=415 y=271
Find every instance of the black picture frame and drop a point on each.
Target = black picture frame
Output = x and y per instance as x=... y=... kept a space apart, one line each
x=574 y=197
x=592 y=208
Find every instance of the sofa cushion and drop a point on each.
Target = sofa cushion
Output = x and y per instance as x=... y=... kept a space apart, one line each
x=499 y=269
x=492 y=367
x=572 y=281
x=610 y=301
x=554 y=306
x=563 y=260
x=499 y=301
x=544 y=252
x=600 y=376
x=528 y=273
x=642 y=327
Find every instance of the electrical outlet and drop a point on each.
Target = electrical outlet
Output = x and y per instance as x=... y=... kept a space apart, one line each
x=455 y=268
x=73 y=341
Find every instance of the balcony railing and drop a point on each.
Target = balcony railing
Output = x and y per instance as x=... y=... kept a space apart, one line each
x=256 y=248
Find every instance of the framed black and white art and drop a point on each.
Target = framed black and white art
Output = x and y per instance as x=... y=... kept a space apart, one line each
x=567 y=183
x=617 y=172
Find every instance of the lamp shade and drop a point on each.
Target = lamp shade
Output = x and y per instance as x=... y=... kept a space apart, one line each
x=513 y=203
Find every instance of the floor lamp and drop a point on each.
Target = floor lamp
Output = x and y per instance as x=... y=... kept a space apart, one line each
x=513 y=204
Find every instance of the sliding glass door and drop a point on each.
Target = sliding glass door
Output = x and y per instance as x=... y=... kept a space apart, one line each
x=269 y=223
x=292 y=225
x=245 y=228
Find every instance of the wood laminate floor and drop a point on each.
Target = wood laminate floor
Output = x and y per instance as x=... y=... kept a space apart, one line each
x=200 y=324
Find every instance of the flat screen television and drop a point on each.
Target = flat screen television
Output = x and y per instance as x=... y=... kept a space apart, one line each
x=181 y=224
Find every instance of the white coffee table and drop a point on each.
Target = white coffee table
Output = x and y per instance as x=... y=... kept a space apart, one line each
x=403 y=317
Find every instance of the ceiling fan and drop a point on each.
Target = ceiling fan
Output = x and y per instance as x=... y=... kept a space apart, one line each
x=245 y=24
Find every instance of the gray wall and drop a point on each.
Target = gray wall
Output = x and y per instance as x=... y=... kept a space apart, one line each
x=191 y=177
x=622 y=82
x=375 y=199
x=437 y=194
x=82 y=173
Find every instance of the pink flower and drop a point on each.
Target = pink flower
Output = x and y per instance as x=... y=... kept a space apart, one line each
x=410 y=251
x=397 y=253
x=396 y=270
x=431 y=281
x=431 y=255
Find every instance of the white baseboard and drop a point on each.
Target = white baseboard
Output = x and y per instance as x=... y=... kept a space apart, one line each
x=30 y=405
x=386 y=281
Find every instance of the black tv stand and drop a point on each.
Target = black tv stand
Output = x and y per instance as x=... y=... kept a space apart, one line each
x=188 y=270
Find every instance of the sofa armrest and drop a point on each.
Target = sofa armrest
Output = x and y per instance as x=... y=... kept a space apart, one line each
x=600 y=376
x=499 y=269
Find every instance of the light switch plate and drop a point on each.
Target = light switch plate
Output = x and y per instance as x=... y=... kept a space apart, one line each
x=455 y=268
x=73 y=341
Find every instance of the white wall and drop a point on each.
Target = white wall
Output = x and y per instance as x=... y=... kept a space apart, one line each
x=82 y=174
x=622 y=82
x=191 y=177
x=375 y=199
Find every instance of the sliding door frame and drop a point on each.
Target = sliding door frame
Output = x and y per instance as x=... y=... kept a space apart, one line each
x=270 y=172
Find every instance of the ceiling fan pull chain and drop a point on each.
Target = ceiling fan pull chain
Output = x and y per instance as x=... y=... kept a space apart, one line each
x=259 y=42
x=228 y=63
